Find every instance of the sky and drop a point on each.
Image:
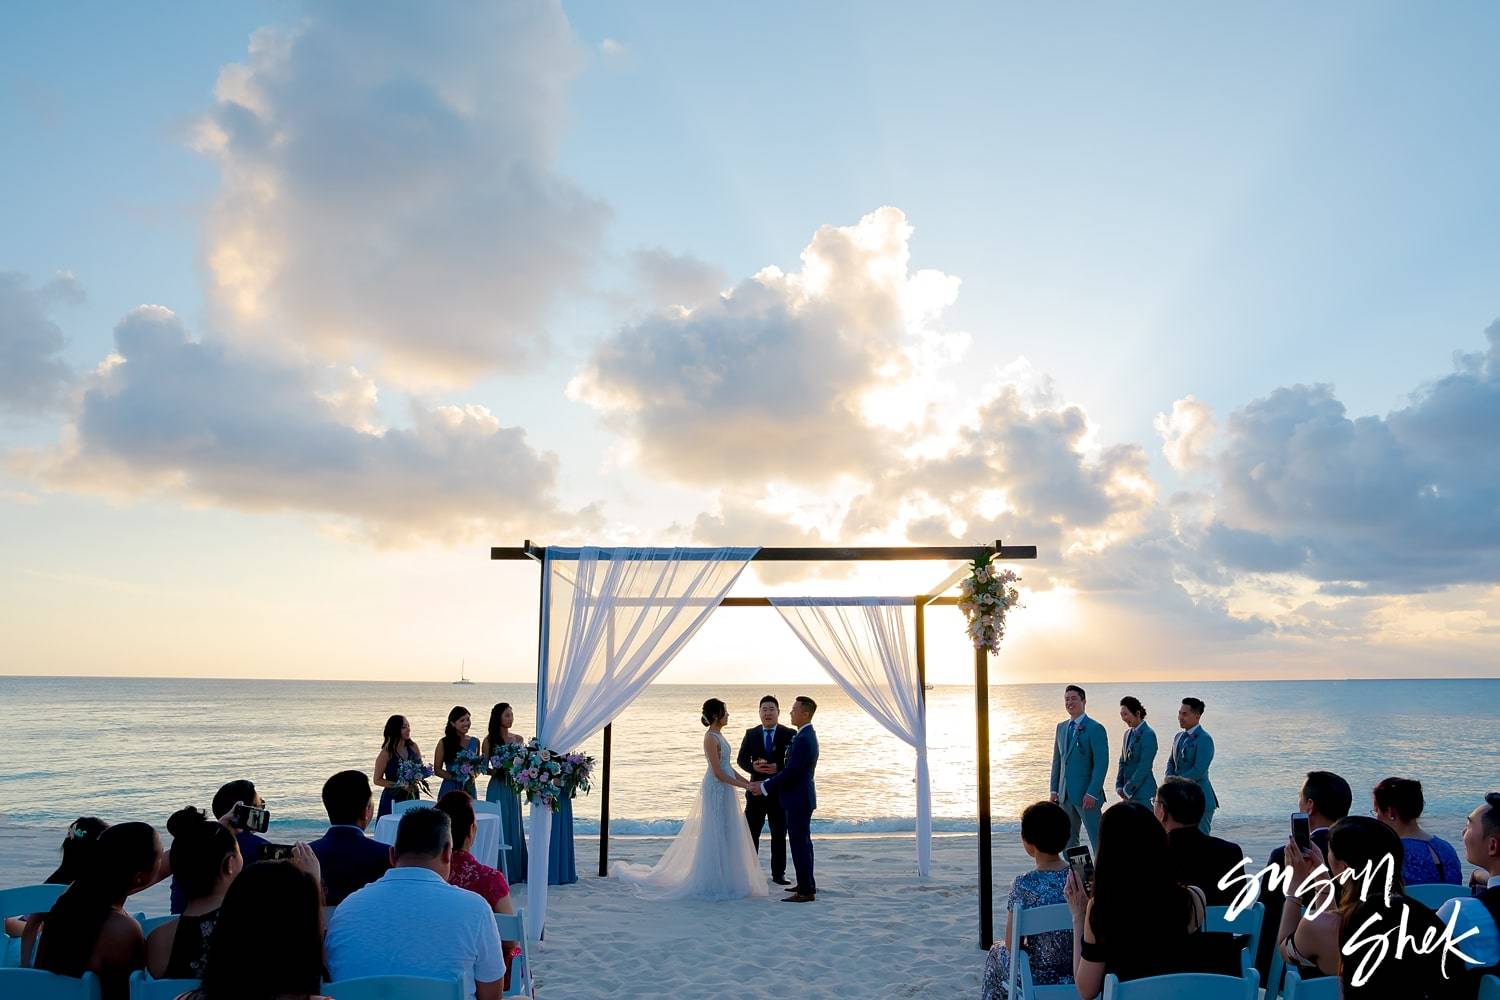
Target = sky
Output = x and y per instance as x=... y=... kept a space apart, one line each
x=303 y=308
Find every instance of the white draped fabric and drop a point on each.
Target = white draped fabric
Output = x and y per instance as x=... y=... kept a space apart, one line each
x=861 y=642
x=615 y=619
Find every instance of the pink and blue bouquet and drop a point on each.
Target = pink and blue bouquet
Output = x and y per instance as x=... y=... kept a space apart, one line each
x=466 y=766
x=411 y=778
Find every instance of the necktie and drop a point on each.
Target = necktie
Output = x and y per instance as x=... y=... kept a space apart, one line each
x=770 y=735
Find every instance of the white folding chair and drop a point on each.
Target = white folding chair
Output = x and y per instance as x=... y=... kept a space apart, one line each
x=1216 y=918
x=1435 y=894
x=34 y=984
x=1028 y=922
x=1489 y=988
x=1184 y=986
x=501 y=847
x=396 y=988
x=1294 y=988
x=143 y=987
x=22 y=901
x=397 y=808
x=512 y=927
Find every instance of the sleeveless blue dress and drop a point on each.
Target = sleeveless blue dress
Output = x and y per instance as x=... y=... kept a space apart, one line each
x=560 y=867
x=512 y=828
x=449 y=785
x=390 y=796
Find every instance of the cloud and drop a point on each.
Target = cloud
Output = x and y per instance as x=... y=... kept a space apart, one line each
x=1398 y=504
x=772 y=379
x=33 y=377
x=204 y=423
x=1187 y=433
x=613 y=50
x=668 y=280
x=389 y=188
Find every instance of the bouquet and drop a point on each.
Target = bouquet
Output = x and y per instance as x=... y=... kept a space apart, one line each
x=411 y=778
x=501 y=759
x=547 y=777
x=988 y=593
x=467 y=765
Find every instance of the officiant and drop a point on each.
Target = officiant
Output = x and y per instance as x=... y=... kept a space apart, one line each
x=762 y=754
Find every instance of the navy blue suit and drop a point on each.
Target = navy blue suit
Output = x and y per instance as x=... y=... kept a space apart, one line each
x=350 y=861
x=793 y=785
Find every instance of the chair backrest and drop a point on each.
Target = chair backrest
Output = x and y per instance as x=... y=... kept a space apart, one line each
x=143 y=987
x=1216 y=918
x=512 y=927
x=397 y=808
x=396 y=988
x=1294 y=988
x=27 y=899
x=149 y=924
x=1276 y=973
x=1184 y=986
x=481 y=806
x=34 y=984
x=1024 y=922
x=1489 y=988
x=1435 y=894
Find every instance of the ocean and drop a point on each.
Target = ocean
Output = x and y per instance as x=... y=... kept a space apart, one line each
x=138 y=748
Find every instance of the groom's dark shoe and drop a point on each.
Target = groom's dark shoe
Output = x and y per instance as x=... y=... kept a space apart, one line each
x=781 y=880
x=799 y=897
x=795 y=888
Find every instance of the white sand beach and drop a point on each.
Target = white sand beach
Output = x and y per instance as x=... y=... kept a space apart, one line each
x=876 y=929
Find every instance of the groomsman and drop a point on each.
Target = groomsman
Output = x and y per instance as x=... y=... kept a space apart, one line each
x=1134 y=781
x=1080 y=760
x=1192 y=752
x=762 y=754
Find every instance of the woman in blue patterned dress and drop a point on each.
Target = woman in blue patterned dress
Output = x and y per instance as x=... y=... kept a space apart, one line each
x=512 y=830
x=395 y=746
x=455 y=739
x=1429 y=859
x=1045 y=829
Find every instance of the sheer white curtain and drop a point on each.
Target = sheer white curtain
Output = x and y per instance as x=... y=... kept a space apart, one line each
x=615 y=618
x=861 y=642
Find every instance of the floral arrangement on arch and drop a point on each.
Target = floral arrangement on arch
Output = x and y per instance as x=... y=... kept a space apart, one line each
x=988 y=593
x=543 y=775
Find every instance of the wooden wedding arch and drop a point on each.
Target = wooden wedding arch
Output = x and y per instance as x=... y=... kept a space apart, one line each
x=920 y=602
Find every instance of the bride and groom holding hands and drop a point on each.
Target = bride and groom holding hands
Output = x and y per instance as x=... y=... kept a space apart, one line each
x=714 y=855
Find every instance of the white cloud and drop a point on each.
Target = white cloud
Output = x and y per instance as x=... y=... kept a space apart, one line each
x=33 y=377
x=389 y=191
x=1187 y=433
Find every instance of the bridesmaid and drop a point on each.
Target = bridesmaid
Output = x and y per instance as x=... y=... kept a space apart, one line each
x=395 y=746
x=455 y=738
x=512 y=830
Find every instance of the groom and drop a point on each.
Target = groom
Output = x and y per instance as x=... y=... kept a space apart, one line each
x=794 y=785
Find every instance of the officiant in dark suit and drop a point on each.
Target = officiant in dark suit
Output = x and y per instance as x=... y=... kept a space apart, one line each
x=762 y=754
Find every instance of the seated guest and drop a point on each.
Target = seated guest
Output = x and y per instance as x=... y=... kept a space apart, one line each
x=1139 y=921
x=467 y=872
x=1326 y=798
x=350 y=860
x=205 y=859
x=225 y=799
x=77 y=847
x=1196 y=858
x=1481 y=914
x=1360 y=843
x=1429 y=859
x=269 y=941
x=87 y=929
x=411 y=922
x=1045 y=828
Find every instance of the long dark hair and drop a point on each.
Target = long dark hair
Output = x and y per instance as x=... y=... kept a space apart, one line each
x=460 y=810
x=390 y=739
x=1358 y=841
x=1136 y=896
x=492 y=737
x=200 y=848
x=450 y=734
x=269 y=938
x=120 y=857
x=83 y=832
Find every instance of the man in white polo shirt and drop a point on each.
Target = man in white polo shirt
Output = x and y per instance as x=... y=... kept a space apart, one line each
x=411 y=922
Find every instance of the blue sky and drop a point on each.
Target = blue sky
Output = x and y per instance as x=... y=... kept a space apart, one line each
x=1145 y=205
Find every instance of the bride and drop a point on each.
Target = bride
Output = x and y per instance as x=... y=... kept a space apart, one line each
x=713 y=856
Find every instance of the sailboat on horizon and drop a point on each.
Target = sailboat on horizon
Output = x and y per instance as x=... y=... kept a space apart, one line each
x=461 y=678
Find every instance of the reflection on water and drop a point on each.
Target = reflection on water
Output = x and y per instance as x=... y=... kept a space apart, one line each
x=138 y=748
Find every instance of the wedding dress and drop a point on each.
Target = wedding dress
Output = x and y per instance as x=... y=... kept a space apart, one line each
x=712 y=856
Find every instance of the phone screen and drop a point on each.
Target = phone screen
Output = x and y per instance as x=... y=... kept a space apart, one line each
x=275 y=852
x=1301 y=830
x=252 y=819
x=1082 y=864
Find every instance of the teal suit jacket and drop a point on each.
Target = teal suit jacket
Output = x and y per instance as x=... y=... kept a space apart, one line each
x=1134 y=779
x=1191 y=755
x=1079 y=761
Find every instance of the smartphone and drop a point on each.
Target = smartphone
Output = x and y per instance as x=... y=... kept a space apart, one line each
x=275 y=852
x=250 y=818
x=1301 y=831
x=1082 y=864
